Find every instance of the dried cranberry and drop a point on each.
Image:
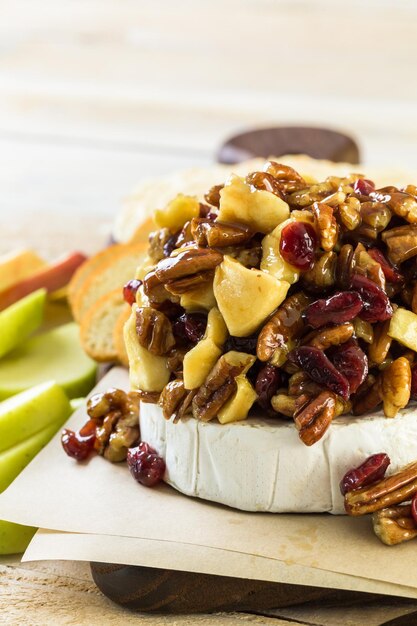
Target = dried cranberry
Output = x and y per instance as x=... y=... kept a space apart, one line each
x=242 y=344
x=370 y=471
x=190 y=327
x=339 y=308
x=414 y=507
x=267 y=382
x=390 y=273
x=145 y=465
x=414 y=382
x=363 y=186
x=351 y=361
x=297 y=245
x=320 y=369
x=376 y=304
x=79 y=445
x=130 y=290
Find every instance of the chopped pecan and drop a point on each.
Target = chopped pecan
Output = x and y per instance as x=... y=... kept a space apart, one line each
x=154 y=330
x=315 y=417
x=175 y=400
x=368 y=396
x=345 y=266
x=401 y=242
x=322 y=276
x=284 y=404
x=290 y=180
x=274 y=341
x=175 y=359
x=395 y=489
x=378 y=349
x=327 y=225
x=300 y=383
x=377 y=215
x=265 y=182
x=394 y=524
x=366 y=265
x=350 y=213
x=185 y=237
x=161 y=244
x=213 y=195
x=219 y=234
x=403 y=204
x=149 y=397
x=117 y=427
x=154 y=290
x=396 y=386
x=220 y=384
x=331 y=336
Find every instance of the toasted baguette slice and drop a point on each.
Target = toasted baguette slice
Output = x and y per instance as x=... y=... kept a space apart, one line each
x=84 y=271
x=141 y=234
x=118 y=336
x=118 y=268
x=97 y=326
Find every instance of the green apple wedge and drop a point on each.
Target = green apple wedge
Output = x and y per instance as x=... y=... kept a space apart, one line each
x=26 y=413
x=14 y=538
x=55 y=355
x=20 y=320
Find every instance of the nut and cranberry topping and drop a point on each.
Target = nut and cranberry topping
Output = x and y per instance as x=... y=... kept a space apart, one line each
x=316 y=282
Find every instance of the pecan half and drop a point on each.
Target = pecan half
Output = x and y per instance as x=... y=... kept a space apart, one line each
x=290 y=180
x=213 y=195
x=401 y=242
x=154 y=330
x=265 y=182
x=331 y=336
x=274 y=341
x=219 y=234
x=315 y=417
x=396 y=386
x=220 y=384
x=394 y=524
x=322 y=275
x=379 y=348
x=368 y=396
x=175 y=400
x=395 y=489
x=327 y=226
x=187 y=263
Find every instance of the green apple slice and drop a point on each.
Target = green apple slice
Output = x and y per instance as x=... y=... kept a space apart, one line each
x=13 y=460
x=55 y=355
x=14 y=538
x=20 y=320
x=27 y=413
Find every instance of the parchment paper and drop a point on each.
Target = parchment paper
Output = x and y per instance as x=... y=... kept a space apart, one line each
x=98 y=498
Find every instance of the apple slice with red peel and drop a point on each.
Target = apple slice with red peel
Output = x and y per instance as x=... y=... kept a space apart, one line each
x=51 y=278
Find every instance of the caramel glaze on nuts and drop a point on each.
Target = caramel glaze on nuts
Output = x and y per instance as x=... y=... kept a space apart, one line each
x=329 y=340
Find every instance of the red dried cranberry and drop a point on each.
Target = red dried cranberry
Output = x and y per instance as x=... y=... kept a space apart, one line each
x=414 y=507
x=130 y=290
x=414 y=382
x=363 y=186
x=190 y=327
x=320 y=369
x=79 y=445
x=351 y=361
x=242 y=344
x=297 y=245
x=376 y=304
x=267 y=382
x=370 y=471
x=145 y=465
x=342 y=307
x=390 y=273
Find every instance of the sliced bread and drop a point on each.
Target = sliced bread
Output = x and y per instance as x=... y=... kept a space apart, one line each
x=97 y=326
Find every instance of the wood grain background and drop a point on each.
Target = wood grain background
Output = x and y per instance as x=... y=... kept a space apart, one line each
x=97 y=95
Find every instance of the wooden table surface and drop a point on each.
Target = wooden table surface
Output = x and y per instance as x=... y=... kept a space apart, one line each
x=97 y=95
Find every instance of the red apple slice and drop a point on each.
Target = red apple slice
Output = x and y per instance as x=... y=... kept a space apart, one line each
x=51 y=278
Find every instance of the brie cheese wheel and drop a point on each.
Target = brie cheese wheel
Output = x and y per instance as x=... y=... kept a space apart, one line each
x=261 y=464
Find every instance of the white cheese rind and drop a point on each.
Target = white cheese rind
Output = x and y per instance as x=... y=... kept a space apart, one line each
x=261 y=464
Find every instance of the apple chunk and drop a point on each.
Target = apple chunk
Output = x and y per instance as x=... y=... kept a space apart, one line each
x=403 y=328
x=242 y=203
x=237 y=408
x=27 y=413
x=17 y=266
x=55 y=355
x=20 y=320
x=245 y=296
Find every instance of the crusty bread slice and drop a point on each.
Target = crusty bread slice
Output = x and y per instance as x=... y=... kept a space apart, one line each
x=118 y=336
x=118 y=268
x=97 y=326
x=141 y=234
